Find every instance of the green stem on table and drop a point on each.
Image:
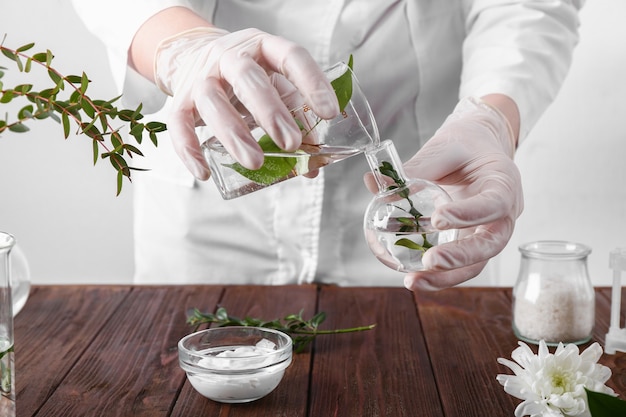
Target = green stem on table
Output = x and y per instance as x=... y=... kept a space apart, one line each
x=302 y=331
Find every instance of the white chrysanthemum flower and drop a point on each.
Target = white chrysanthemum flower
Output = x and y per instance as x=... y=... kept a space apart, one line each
x=553 y=385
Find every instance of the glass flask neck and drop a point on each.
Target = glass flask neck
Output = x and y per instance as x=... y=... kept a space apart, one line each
x=386 y=165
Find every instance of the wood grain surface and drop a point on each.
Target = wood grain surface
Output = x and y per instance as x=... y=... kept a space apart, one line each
x=112 y=351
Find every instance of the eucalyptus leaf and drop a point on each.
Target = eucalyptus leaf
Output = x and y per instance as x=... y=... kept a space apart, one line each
x=408 y=243
x=25 y=112
x=25 y=47
x=95 y=151
x=302 y=331
x=120 y=181
x=18 y=128
x=84 y=83
x=74 y=108
x=40 y=57
x=7 y=96
x=74 y=79
x=56 y=78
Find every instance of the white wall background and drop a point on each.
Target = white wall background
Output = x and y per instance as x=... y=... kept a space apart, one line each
x=62 y=210
x=65 y=215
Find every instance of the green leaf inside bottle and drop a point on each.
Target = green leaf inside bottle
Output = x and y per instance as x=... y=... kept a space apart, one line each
x=276 y=168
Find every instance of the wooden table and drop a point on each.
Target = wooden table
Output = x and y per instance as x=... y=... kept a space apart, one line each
x=111 y=351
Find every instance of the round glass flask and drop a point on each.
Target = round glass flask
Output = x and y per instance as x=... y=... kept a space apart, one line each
x=553 y=298
x=397 y=221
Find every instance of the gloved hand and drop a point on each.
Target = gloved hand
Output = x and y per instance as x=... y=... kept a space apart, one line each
x=471 y=157
x=215 y=77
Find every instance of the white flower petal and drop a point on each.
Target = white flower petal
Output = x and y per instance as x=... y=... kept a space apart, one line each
x=592 y=354
x=554 y=385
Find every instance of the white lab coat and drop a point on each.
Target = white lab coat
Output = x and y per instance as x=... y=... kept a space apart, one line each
x=414 y=59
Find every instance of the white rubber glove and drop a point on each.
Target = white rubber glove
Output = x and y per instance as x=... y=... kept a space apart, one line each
x=215 y=77
x=471 y=157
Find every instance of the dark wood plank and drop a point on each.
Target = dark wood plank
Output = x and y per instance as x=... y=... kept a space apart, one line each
x=55 y=327
x=131 y=367
x=290 y=397
x=466 y=330
x=381 y=372
x=616 y=362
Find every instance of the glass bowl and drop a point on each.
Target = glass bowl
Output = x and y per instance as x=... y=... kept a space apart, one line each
x=235 y=364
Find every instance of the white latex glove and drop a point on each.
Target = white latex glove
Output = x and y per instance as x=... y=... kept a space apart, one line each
x=215 y=77
x=471 y=157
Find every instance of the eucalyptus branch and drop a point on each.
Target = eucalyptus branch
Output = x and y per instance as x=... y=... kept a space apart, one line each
x=93 y=117
x=302 y=331
x=409 y=224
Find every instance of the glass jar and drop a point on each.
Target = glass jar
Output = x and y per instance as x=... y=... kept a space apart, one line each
x=397 y=221
x=7 y=369
x=553 y=298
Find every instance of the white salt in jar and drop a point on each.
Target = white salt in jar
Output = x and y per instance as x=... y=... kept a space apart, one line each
x=553 y=298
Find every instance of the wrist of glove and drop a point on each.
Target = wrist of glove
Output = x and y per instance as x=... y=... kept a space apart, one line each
x=471 y=156
x=216 y=77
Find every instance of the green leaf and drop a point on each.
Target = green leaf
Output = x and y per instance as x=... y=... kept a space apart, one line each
x=25 y=112
x=137 y=113
x=56 y=78
x=96 y=150
x=25 y=47
x=120 y=182
x=49 y=57
x=131 y=149
x=40 y=57
x=318 y=318
x=74 y=79
x=343 y=87
x=103 y=121
x=125 y=115
x=90 y=130
x=65 y=121
x=87 y=107
x=9 y=54
x=75 y=97
x=156 y=126
x=49 y=93
x=221 y=314
x=116 y=141
x=23 y=88
x=137 y=131
x=407 y=243
x=604 y=405
x=18 y=128
x=84 y=83
x=7 y=96
x=274 y=168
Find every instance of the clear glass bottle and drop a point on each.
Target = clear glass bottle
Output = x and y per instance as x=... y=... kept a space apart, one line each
x=397 y=221
x=324 y=142
x=7 y=369
x=20 y=279
x=553 y=298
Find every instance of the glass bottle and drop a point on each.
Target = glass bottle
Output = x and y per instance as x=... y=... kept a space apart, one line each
x=20 y=278
x=553 y=298
x=324 y=142
x=397 y=221
x=7 y=370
